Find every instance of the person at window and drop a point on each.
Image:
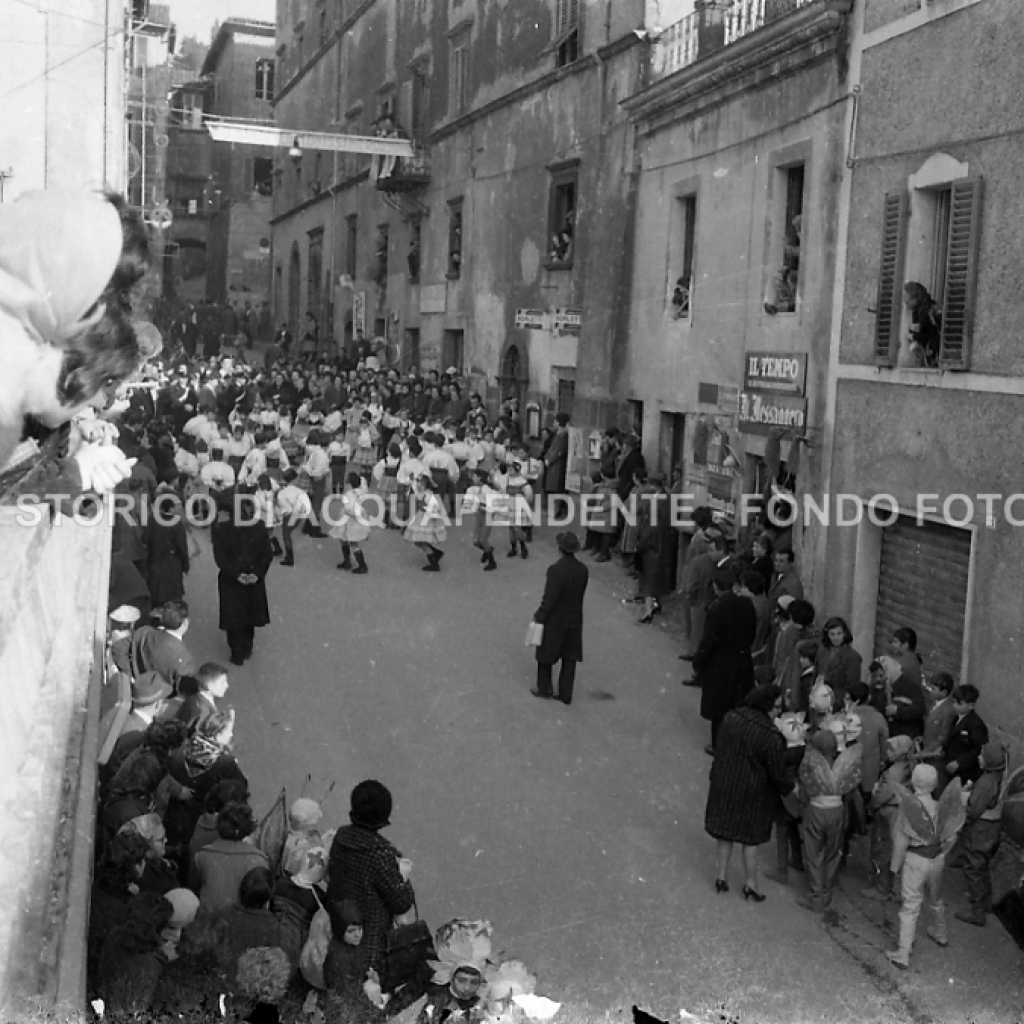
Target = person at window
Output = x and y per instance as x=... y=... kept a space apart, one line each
x=413 y=259
x=925 y=324
x=681 y=298
x=788 y=275
x=562 y=241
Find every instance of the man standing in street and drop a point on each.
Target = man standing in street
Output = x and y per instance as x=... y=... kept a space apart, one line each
x=561 y=615
x=784 y=579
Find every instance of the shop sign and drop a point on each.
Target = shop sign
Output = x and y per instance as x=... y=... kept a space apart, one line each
x=777 y=372
x=530 y=319
x=359 y=312
x=728 y=399
x=761 y=414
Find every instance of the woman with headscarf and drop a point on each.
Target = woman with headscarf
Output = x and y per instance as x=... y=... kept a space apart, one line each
x=201 y=765
x=243 y=553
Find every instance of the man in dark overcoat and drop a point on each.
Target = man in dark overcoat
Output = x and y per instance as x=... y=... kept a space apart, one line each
x=556 y=461
x=243 y=553
x=723 y=662
x=561 y=615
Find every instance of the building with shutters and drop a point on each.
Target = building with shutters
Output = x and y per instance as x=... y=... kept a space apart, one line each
x=929 y=202
x=499 y=248
x=739 y=149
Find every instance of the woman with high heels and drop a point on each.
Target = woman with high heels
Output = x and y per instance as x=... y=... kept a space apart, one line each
x=748 y=782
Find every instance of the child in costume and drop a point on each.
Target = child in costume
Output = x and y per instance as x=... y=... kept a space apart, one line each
x=352 y=529
x=982 y=830
x=883 y=808
x=385 y=474
x=478 y=499
x=826 y=775
x=304 y=816
x=926 y=830
x=427 y=528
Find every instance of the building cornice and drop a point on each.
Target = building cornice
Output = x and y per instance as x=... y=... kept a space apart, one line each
x=797 y=40
x=327 y=193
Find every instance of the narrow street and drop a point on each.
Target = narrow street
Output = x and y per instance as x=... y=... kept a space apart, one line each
x=578 y=831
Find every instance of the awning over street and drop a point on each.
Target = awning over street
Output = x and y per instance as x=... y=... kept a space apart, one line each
x=281 y=138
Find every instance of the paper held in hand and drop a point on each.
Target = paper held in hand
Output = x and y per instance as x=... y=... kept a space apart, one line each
x=534 y=634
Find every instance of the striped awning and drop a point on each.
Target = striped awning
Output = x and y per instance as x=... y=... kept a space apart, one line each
x=281 y=138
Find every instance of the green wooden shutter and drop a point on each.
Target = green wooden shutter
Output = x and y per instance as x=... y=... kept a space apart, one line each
x=890 y=278
x=961 y=274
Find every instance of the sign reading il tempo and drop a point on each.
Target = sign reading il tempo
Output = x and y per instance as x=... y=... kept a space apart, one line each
x=779 y=372
x=763 y=413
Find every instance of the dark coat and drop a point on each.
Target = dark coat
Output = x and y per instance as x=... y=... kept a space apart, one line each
x=561 y=611
x=786 y=584
x=364 y=867
x=238 y=550
x=168 y=558
x=911 y=708
x=155 y=650
x=654 y=545
x=556 y=463
x=748 y=778
x=631 y=462
x=841 y=667
x=723 y=663
x=181 y=816
x=966 y=739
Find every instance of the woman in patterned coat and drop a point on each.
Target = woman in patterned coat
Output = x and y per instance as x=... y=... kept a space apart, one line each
x=748 y=779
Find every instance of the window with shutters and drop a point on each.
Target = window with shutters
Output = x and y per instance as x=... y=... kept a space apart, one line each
x=458 y=74
x=567 y=32
x=928 y=269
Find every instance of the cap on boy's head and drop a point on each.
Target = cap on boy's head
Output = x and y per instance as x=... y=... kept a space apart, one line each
x=304 y=813
x=924 y=779
x=993 y=754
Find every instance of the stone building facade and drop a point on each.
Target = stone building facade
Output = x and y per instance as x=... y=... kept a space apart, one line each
x=739 y=152
x=931 y=201
x=499 y=248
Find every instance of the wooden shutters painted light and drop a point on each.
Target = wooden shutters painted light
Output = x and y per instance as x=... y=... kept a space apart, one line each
x=961 y=274
x=567 y=16
x=890 y=278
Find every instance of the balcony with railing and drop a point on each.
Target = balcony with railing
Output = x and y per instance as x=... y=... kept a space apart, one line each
x=403 y=174
x=714 y=24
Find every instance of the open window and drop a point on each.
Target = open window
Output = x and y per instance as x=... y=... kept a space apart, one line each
x=263 y=175
x=415 y=242
x=455 y=252
x=682 y=233
x=786 y=242
x=562 y=202
x=567 y=32
x=928 y=268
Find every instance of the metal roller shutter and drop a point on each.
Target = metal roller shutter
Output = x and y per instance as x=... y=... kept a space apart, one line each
x=922 y=583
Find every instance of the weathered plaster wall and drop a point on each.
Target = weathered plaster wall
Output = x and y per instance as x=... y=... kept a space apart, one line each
x=978 y=126
x=905 y=441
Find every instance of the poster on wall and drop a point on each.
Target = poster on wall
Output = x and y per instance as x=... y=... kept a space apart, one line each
x=359 y=313
x=577 y=460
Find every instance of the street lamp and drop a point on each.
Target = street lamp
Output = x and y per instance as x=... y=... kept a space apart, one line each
x=296 y=151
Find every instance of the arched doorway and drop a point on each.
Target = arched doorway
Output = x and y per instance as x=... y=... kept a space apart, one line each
x=514 y=379
x=294 y=285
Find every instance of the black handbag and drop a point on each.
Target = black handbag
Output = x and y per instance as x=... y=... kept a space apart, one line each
x=409 y=947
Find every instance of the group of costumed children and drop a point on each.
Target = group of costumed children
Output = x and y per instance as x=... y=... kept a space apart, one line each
x=911 y=831
x=317 y=470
